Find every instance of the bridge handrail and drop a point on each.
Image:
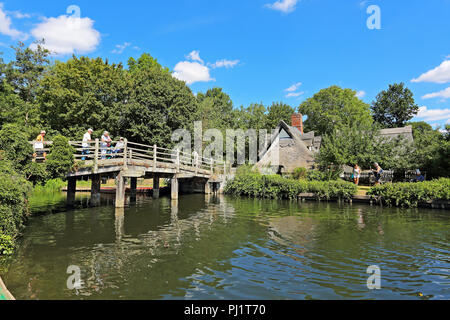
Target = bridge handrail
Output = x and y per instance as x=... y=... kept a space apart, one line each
x=138 y=151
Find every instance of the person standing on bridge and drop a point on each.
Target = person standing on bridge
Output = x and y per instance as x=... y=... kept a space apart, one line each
x=106 y=142
x=87 y=139
x=39 y=146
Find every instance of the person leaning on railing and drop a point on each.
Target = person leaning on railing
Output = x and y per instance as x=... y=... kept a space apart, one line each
x=119 y=148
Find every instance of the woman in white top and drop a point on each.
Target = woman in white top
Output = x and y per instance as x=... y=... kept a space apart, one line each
x=356 y=174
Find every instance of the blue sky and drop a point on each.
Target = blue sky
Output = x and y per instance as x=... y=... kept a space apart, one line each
x=257 y=50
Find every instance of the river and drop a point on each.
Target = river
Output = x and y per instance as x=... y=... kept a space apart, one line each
x=207 y=247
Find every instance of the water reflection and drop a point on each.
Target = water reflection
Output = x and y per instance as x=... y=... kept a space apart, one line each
x=211 y=247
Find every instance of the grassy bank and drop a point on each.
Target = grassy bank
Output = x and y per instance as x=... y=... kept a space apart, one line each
x=411 y=194
x=253 y=184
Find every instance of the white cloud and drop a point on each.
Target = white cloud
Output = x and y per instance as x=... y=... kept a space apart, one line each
x=20 y=15
x=66 y=35
x=444 y=94
x=294 y=87
x=285 y=6
x=196 y=70
x=224 y=63
x=194 y=56
x=361 y=94
x=6 y=26
x=433 y=114
x=294 y=94
x=192 y=72
x=120 y=48
x=440 y=74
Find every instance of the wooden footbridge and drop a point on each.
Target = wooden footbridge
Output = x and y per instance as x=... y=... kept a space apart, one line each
x=132 y=161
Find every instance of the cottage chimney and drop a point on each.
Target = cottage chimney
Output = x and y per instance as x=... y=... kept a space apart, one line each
x=297 y=121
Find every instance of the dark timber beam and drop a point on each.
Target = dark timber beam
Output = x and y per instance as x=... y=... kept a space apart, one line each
x=95 y=189
x=71 y=190
x=155 y=186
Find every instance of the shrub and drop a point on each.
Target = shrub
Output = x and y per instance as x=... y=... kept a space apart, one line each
x=60 y=160
x=410 y=194
x=17 y=149
x=6 y=245
x=53 y=185
x=14 y=192
x=274 y=186
x=299 y=173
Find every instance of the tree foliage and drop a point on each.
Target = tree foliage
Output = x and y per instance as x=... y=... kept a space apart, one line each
x=83 y=93
x=277 y=112
x=60 y=160
x=334 y=108
x=394 y=106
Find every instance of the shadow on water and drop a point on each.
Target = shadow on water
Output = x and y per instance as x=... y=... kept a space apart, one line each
x=206 y=247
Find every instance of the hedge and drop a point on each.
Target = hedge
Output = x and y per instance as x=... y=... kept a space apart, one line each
x=277 y=187
x=411 y=194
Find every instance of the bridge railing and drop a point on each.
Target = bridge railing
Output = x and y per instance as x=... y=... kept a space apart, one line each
x=131 y=152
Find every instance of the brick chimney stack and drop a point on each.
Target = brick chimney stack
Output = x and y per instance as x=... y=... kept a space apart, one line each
x=297 y=121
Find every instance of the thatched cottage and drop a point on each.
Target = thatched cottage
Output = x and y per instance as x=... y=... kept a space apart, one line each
x=297 y=149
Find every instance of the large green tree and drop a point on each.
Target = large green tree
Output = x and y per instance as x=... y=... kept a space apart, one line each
x=395 y=106
x=23 y=75
x=364 y=146
x=215 y=109
x=82 y=93
x=431 y=150
x=276 y=112
x=333 y=108
x=158 y=105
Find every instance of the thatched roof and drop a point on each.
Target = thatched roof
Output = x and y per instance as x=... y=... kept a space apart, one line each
x=291 y=147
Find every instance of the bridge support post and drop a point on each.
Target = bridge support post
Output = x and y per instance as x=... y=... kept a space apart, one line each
x=208 y=187
x=174 y=187
x=155 y=187
x=71 y=190
x=120 y=191
x=95 y=190
x=133 y=189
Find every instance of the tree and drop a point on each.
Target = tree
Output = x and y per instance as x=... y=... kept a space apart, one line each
x=145 y=62
x=334 y=108
x=395 y=106
x=14 y=143
x=364 y=146
x=24 y=74
x=158 y=105
x=215 y=109
x=277 y=112
x=431 y=150
x=83 y=93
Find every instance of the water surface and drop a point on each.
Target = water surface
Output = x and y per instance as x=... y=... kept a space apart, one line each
x=205 y=247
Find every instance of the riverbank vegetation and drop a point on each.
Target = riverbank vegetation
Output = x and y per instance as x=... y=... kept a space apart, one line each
x=14 y=209
x=411 y=194
x=254 y=184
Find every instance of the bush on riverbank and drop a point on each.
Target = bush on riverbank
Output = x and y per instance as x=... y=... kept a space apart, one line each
x=411 y=194
x=14 y=192
x=60 y=160
x=254 y=184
